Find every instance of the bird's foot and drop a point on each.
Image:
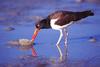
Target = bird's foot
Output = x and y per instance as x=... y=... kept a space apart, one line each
x=61 y=58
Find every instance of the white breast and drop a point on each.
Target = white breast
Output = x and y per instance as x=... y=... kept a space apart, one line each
x=58 y=27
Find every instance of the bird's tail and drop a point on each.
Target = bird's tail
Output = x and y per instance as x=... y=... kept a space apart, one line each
x=88 y=13
x=83 y=14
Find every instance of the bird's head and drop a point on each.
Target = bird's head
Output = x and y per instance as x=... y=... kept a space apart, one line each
x=40 y=25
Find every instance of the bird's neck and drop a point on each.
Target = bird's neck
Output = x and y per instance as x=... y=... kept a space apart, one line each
x=47 y=24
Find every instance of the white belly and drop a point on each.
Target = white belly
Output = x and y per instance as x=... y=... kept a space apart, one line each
x=58 y=27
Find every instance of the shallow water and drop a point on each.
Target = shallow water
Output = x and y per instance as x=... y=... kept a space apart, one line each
x=21 y=15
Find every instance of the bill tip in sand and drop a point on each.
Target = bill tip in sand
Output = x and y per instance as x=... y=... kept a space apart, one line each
x=27 y=42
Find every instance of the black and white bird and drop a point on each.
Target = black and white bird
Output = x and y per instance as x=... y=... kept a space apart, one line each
x=60 y=20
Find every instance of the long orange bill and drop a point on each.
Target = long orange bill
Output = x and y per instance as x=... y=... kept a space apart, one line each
x=35 y=34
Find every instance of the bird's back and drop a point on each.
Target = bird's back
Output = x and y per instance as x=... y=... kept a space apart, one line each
x=65 y=17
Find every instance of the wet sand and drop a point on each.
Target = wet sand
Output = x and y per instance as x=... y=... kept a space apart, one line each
x=17 y=19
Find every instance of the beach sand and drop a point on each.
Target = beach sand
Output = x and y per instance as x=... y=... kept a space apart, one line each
x=17 y=19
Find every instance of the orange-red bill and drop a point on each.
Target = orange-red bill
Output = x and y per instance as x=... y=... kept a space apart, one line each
x=35 y=34
x=33 y=38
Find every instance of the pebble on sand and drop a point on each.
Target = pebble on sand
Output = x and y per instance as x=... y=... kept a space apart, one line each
x=25 y=42
x=9 y=28
x=92 y=39
x=21 y=42
x=80 y=1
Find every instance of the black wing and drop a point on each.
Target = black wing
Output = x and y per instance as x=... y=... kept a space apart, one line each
x=67 y=16
x=65 y=20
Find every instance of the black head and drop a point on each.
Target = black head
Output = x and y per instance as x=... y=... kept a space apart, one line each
x=43 y=24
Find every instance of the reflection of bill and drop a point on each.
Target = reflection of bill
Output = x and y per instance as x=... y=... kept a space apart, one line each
x=34 y=52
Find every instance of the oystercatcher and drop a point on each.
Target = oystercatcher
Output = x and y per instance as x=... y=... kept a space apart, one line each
x=60 y=20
